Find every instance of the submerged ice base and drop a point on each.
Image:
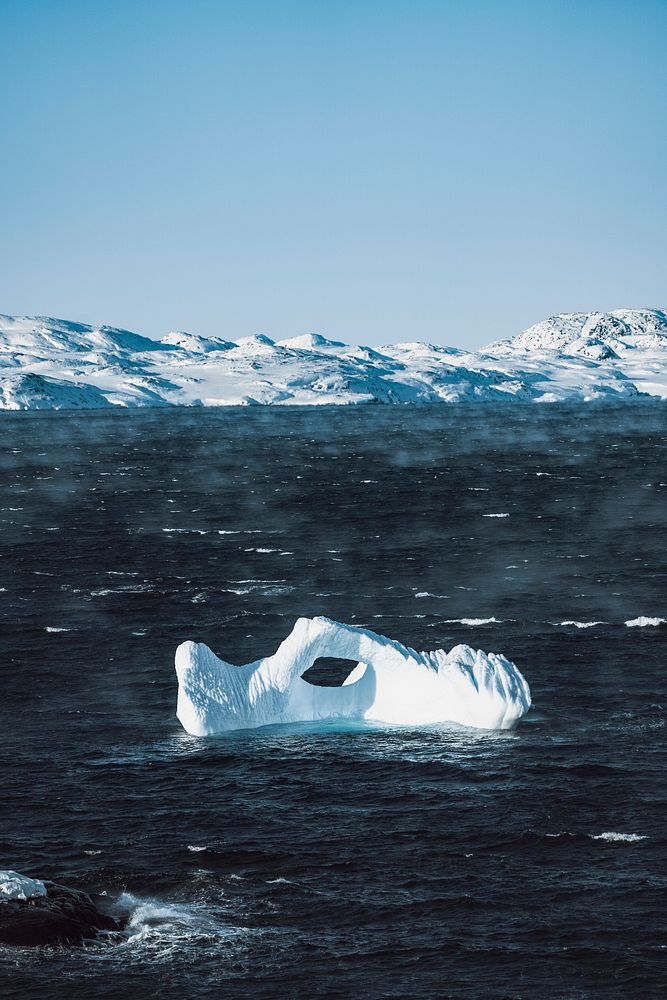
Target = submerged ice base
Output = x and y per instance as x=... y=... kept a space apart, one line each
x=390 y=684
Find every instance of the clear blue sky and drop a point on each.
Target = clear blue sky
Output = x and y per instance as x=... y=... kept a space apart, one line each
x=374 y=171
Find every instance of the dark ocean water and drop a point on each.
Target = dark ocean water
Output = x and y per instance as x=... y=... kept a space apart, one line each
x=319 y=861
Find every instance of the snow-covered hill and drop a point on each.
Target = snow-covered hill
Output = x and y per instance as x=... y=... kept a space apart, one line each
x=57 y=364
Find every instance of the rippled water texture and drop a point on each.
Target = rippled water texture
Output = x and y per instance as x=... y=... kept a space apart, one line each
x=319 y=861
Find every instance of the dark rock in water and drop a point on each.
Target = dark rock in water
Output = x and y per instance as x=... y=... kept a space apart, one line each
x=63 y=916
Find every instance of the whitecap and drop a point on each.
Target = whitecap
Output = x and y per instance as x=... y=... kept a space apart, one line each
x=579 y=624
x=164 y=928
x=130 y=589
x=476 y=621
x=612 y=837
x=495 y=515
x=54 y=628
x=186 y=531
x=267 y=590
x=243 y=531
x=642 y=622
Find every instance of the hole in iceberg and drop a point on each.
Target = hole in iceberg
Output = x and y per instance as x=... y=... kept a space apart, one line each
x=331 y=671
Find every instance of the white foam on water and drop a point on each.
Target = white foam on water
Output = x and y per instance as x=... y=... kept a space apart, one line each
x=579 y=624
x=186 y=531
x=620 y=838
x=643 y=622
x=54 y=628
x=495 y=515
x=105 y=591
x=266 y=590
x=243 y=531
x=162 y=929
x=476 y=621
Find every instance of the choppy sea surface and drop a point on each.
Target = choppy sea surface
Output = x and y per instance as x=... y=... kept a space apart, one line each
x=318 y=860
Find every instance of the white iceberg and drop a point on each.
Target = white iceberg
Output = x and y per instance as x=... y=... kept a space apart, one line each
x=13 y=885
x=389 y=684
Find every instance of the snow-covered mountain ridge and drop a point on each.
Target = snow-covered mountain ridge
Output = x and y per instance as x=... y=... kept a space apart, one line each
x=56 y=364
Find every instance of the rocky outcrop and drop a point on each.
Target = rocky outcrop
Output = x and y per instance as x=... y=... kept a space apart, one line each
x=62 y=916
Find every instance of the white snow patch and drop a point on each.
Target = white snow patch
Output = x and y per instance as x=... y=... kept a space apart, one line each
x=13 y=885
x=48 y=363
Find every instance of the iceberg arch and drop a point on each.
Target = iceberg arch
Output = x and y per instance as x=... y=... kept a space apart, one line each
x=390 y=684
